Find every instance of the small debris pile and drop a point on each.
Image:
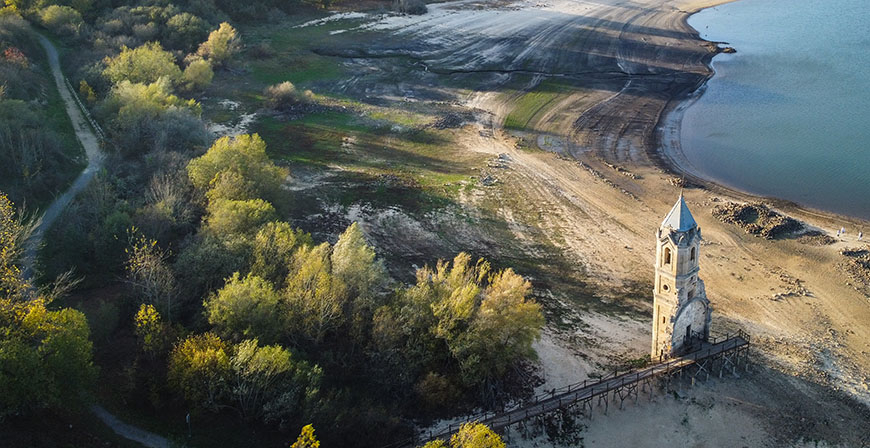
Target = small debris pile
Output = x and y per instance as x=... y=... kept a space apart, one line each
x=816 y=238
x=857 y=265
x=757 y=219
x=452 y=121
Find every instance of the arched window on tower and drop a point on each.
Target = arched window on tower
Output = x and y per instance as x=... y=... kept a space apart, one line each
x=692 y=256
x=667 y=255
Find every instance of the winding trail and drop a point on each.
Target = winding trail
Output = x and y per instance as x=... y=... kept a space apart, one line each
x=92 y=149
x=91 y=144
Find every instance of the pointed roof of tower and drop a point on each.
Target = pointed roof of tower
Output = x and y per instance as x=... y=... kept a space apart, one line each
x=679 y=218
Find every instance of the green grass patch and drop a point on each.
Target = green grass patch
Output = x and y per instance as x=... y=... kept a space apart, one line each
x=533 y=104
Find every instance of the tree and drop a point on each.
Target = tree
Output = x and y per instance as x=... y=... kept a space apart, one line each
x=257 y=375
x=244 y=155
x=363 y=276
x=150 y=330
x=246 y=307
x=61 y=19
x=306 y=438
x=470 y=435
x=149 y=273
x=476 y=435
x=485 y=319
x=502 y=331
x=199 y=368
x=222 y=44
x=184 y=30
x=227 y=218
x=45 y=355
x=316 y=300
x=143 y=117
x=354 y=263
x=273 y=250
x=143 y=65
x=198 y=75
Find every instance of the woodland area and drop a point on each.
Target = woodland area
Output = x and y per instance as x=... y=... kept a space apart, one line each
x=216 y=304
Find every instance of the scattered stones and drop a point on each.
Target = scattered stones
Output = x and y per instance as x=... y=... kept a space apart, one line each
x=500 y=162
x=857 y=265
x=757 y=219
x=677 y=181
x=623 y=171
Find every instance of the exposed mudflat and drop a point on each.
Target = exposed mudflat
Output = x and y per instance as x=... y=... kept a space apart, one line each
x=581 y=206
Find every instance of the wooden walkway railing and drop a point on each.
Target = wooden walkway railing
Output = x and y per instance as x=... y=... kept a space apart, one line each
x=620 y=385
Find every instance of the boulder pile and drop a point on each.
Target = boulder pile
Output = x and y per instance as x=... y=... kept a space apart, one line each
x=757 y=219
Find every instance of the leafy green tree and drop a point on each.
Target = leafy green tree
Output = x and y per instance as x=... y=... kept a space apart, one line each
x=257 y=375
x=470 y=435
x=476 y=435
x=244 y=155
x=61 y=19
x=354 y=263
x=273 y=250
x=222 y=44
x=197 y=75
x=363 y=276
x=306 y=438
x=145 y=64
x=246 y=307
x=316 y=300
x=143 y=117
x=485 y=319
x=502 y=331
x=199 y=368
x=268 y=383
x=184 y=30
x=45 y=355
x=227 y=218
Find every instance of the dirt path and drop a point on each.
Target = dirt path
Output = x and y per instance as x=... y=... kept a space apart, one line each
x=95 y=161
x=88 y=140
x=131 y=432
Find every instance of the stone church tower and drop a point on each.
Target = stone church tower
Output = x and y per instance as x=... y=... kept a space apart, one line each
x=681 y=311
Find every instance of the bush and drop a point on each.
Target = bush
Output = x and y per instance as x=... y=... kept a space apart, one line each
x=145 y=116
x=198 y=75
x=244 y=155
x=248 y=307
x=227 y=218
x=143 y=65
x=61 y=19
x=185 y=31
x=222 y=44
x=285 y=96
x=415 y=7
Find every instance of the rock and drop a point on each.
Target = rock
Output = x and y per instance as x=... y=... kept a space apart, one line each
x=488 y=180
x=729 y=50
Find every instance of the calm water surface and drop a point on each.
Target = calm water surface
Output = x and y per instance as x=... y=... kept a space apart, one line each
x=789 y=114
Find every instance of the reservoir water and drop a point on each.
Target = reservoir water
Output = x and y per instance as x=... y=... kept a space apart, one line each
x=788 y=115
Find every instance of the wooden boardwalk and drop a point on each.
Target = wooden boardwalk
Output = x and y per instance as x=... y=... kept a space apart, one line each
x=615 y=386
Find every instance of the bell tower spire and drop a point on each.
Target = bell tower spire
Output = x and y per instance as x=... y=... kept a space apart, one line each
x=681 y=311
